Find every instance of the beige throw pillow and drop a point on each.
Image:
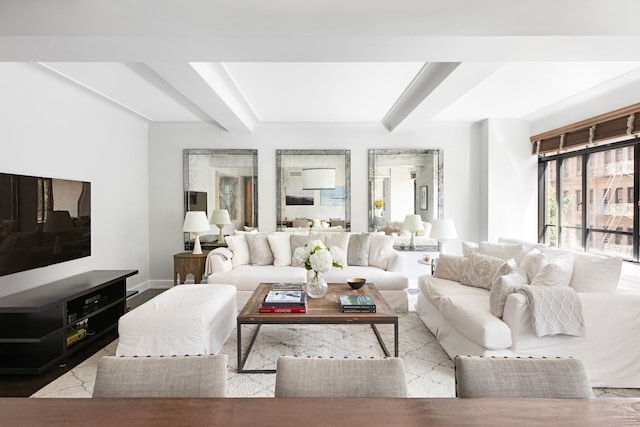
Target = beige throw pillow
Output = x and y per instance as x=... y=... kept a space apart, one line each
x=259 y=249
x=502 y=288
x=449 y=267
x=297 y=241
x=358 y=250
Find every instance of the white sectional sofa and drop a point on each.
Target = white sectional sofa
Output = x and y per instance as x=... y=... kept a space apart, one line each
x=472 y=320
x=253 y=258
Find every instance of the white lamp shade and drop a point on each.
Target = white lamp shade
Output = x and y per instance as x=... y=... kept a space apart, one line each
x=318 y=179
x=220 y=217
x=413 y=223
x=196 y=222
x=443 y=229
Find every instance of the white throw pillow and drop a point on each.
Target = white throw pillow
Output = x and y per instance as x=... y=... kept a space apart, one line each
x=557 y=272
x=468 y=248
x=240 y=248
x=480 y=270
x=341 y=240
x=502 y=250
x=532 y=262
x=280 y=244
x=591 y=273
x=379 y=250
x=502 y=288
x=448 y=267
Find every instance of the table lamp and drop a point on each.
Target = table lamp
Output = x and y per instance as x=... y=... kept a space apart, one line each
x=58 y=222
x=412 y=223
x=196 y=222
x=220 y=217
x=443 y=230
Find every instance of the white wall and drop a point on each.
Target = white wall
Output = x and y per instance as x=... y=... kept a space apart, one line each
x=52 y=127
x=508 y=181
x=167 y=140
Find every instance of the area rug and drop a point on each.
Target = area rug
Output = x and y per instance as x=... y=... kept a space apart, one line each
x=428 y=368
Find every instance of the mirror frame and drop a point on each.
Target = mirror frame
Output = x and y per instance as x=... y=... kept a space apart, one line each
x=416 y=152
x=279 y=181
x=187 y=152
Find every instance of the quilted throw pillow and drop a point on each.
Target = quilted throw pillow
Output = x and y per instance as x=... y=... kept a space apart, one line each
x=449 y=267
x=259 y=249
x=480 y=270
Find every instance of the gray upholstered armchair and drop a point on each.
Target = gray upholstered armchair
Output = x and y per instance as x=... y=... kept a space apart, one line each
x=153 y=376
x=328 y=377
x=536 y=377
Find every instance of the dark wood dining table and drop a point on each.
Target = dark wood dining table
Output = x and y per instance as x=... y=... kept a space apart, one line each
x=325 y=412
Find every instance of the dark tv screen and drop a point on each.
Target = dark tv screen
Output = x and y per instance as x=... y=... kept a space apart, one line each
x=43 y=221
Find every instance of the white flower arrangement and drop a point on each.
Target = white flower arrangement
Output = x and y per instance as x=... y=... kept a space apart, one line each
x=316 y=256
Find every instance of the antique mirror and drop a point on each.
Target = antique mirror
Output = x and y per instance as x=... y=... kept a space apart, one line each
x=221 y=179
x=313 y=189
x=404 y=182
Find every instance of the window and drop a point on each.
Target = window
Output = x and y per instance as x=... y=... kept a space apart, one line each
x=608 y=224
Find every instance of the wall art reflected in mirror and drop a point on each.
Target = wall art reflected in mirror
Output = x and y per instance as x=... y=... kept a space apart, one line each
x=221 y=179
x=405 y=182
x=313 y=189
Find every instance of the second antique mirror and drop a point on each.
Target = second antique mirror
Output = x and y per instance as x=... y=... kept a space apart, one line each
x=221 y=179
x=313 y=189
x=401 y=183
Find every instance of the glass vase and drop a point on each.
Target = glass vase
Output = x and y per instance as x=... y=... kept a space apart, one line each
x=316 y=286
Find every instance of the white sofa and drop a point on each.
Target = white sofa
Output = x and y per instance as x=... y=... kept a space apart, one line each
x=248 y=261
x=464 y=321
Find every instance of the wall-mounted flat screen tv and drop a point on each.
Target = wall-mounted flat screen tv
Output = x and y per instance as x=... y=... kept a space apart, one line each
x=43 y=221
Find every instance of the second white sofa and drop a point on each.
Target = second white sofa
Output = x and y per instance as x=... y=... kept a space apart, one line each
x=253 y=258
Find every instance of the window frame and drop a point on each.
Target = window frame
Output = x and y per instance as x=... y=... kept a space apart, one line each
x=587 y=194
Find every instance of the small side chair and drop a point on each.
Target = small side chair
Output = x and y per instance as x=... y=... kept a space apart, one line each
x=162 y=376
x=328 y=377
x=527 y=377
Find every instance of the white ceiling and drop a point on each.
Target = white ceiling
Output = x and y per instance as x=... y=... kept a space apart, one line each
x=402 y=64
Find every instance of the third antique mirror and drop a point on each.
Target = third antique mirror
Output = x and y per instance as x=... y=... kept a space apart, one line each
x=404 y=182
x=221 y=179
x=313 y=189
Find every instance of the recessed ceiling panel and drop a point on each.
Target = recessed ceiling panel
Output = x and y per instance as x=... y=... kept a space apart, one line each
x=322 y=92
x=521 y=88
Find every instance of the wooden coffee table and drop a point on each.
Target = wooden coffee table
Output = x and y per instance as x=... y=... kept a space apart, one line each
x=324 y=310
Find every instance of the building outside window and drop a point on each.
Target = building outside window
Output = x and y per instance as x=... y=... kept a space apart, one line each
x=605 y=221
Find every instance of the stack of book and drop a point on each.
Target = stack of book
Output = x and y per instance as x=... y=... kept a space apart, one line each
x=285 y=298
x=357 y=304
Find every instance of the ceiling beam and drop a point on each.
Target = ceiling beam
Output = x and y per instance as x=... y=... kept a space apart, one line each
x=221 y=102
x=425 y=82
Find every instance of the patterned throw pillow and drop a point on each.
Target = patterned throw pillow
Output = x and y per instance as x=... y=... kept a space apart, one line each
x=480 y=270
x=358 y=251
x=449 y=267
x=259 y=249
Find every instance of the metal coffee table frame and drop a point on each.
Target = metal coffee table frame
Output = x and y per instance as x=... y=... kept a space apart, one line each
x=325 y=311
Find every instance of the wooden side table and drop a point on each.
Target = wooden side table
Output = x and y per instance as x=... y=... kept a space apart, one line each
x=187 y=263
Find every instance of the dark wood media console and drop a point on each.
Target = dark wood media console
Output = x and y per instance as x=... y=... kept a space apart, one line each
x=41 y=326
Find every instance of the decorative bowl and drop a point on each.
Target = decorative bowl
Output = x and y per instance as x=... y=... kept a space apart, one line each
x=356 y=282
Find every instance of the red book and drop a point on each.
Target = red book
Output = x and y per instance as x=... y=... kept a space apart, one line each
x=283 y=309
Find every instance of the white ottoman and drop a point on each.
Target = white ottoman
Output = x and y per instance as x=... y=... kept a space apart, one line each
x=184 y=320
